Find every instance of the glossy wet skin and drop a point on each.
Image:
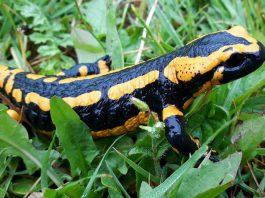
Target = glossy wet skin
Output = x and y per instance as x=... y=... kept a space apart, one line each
x=240 y=65
x=168 y=84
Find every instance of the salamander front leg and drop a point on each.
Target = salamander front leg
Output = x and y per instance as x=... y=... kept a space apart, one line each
x=175 y=131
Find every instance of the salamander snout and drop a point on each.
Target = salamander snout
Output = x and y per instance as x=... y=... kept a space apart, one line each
x=260 y=57
x=241 y=64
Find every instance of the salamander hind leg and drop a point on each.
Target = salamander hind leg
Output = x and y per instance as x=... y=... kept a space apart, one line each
x=102 y=65
x=175 y=131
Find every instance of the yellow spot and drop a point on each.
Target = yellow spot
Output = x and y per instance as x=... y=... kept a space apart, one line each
x=42 y=102
x=49 y=80
x=14 y=115
x=83 y=70
x=117 y=91
x=34 y=76
x=82 y=100
x=171 y=110
x=128 y=126
x=69 y=80
x=103 y=67
x=17 y=94
x=60 y=74
x=170 y=73
x=10 y=83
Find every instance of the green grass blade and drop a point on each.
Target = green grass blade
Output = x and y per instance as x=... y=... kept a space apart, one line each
x=45 y=165
x=117 y=180
x=113 y=43
x=167 y=26
x=92 y=179
x=150 y=33
x=138 y=168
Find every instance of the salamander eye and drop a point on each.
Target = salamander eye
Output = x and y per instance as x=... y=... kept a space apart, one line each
x=235 y=60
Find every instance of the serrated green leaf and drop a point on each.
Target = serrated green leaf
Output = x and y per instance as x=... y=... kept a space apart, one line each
x=249 y=135
x=209 y=180
x=73 y=135
x=8 y=129
x=22 y=148
x=38 y=37
x=48 y=50
x=32 y=11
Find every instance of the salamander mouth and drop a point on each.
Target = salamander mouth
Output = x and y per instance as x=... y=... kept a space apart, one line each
x=236 y=60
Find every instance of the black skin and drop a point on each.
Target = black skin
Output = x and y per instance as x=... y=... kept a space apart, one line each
x=107 y=113
x=176 y=136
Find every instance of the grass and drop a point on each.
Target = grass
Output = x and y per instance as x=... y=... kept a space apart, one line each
x=48 y=36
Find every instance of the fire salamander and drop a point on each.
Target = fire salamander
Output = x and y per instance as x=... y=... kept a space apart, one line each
x=168 y=84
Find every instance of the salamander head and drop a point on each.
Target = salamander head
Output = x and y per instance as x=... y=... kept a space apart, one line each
x=243 y=58
x=218 y=57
